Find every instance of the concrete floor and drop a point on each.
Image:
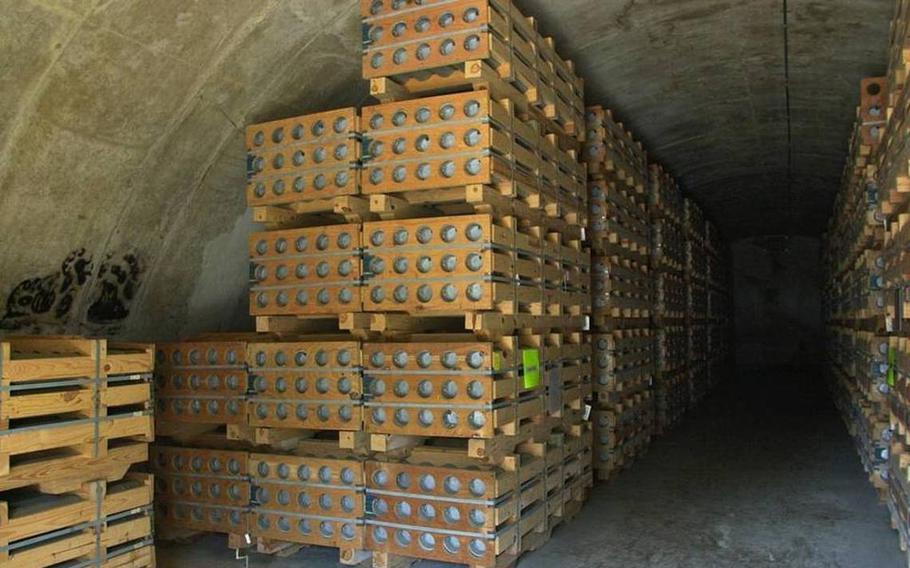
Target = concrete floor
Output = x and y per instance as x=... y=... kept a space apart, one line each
x=762 y=475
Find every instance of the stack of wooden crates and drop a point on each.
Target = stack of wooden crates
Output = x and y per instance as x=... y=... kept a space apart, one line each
x=75 y=424
x=661 y=317
x=417 y=384
x=868 y=281
x=620 y=239
x=668 y=256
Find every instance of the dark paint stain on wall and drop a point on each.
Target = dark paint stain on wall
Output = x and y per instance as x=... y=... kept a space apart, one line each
x=118 y=283
x=49 y=299
x=49 y=296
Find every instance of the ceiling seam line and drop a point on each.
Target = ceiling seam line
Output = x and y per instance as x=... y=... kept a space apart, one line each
x=787 y=100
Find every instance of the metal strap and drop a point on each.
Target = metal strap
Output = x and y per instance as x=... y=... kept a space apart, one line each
x=97 y=398
x=99 y=522
x=63 y=424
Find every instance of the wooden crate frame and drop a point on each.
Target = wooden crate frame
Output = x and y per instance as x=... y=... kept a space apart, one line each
x=310 y=271
x=281 y=369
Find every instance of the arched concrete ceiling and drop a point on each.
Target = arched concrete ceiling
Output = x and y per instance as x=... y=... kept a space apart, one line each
x=122 y=160
x=704 y=84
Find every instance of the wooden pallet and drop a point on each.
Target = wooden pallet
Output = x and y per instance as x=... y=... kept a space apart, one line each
x=62 y=469
x=286 y=549
x=533 y=428
x=356 y=323
x=344 y=209
x=101 y=522
x=510 y=423
x=51 y=440
x=532 y=212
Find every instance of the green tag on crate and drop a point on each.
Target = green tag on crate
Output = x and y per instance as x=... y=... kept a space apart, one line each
x=892 y=359
x=530 y=361
x=497 y=361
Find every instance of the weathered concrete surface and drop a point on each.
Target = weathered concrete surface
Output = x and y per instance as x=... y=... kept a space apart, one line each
x=121 y=155
x=777 y=301
x=764 y=475
x=121 y=148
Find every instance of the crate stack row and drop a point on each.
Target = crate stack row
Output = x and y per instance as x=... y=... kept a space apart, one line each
x=695 y=229
x=882 y=119
x=619 y=237
x=862 y=297
x=719 y=307
x=537 y=439
x=668 y=265
x=856 y=302
x=75 y=427
x=420 y=292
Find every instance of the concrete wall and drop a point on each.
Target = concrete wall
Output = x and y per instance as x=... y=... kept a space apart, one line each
x=777 y=301
x=122 y=161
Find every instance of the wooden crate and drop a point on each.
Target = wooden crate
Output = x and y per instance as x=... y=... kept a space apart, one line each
x=612 y=153
x=567 y=371
x=309 y=500
x=497 y=268
x=624 y=362
x=448 y=141
x=668 y=248
x=91 y=436
x=103 y=523
x=307 y=271
x=454 y=511
x=453 y=46
x=665 y=197
x=304 y=159
x=618 y=225
x=201 y=386
x=622 y=432
x=448 y=387
x=129 y=358
x=64 y=402
x=621 y=288
x=464 y=139
x=201 y=490
x=308 y=385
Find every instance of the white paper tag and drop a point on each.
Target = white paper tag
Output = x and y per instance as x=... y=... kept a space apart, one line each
x=554 y=391
x=587 y=412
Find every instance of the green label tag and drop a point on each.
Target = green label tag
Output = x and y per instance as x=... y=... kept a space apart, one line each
x=530 y=360
x=892 y=359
